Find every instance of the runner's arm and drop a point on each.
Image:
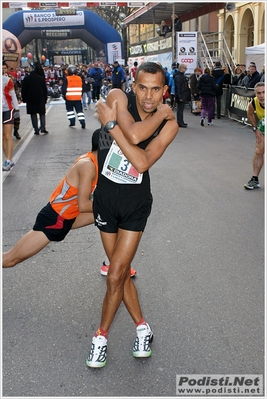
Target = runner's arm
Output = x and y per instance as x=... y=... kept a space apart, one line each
x=86 y=174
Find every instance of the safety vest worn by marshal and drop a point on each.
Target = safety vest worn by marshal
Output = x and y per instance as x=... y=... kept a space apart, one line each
x=64 y=200
x=260 y=112
x=74 y=88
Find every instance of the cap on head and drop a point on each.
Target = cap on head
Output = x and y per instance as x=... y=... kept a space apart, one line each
x=174 y=64
x=218 y=64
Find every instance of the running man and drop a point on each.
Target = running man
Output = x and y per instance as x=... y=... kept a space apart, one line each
x=257 y=107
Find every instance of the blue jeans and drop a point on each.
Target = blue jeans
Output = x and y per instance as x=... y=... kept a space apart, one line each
x=86 y=98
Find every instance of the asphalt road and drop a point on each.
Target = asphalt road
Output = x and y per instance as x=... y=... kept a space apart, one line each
x=200 y=269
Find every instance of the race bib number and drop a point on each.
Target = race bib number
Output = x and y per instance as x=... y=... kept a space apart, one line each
x=118 y=169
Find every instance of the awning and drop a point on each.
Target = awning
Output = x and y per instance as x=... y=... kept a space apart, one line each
x=156 y=12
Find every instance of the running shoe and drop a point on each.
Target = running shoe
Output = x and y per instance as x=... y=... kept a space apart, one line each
x=105 y=268
x=202 y=121
x=144 y=337
x=7 y=165
x=252 y=184
x=210 y=124
x=98 y=353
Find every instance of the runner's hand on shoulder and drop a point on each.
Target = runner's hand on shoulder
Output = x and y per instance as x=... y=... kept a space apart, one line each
x=167 y=109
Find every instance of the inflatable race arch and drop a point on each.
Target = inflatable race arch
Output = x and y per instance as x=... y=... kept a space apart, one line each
x=85 y=25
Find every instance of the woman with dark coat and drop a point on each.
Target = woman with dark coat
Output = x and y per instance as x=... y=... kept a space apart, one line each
x=34 y=94
x=207 y=88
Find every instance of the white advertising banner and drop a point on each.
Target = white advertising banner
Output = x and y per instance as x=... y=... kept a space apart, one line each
x=187 y=50
x=164 y=58
x=114 y=52
x=35 y=19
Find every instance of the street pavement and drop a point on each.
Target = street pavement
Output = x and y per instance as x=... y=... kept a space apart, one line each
x=200 y=269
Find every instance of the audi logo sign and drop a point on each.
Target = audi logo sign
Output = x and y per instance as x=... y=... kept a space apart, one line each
x=187 y=60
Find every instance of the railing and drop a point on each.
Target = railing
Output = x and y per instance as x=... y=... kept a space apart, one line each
x=215 y=49
x=235 y=100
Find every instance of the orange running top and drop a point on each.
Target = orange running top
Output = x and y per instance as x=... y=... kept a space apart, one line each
x=64 y=200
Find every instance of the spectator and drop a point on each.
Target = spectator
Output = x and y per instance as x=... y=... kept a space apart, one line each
x=117 y=76
x=133 y=71
x=207 y=89
x=254 y=76
x=177 y=23
x=86 y=88
x=9 y=104
x=238 y=76
x=34 y=94
x=218 y=74
x=245 y=79
x=13 y=75
x=194 y=78
x=173 y=73
x=167 y=79
x=262 y=74
x=227 y=76
x=182 y=94
x=98 y=75
x=164 y=28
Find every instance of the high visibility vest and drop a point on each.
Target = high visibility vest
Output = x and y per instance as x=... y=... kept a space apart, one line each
x=74 y=88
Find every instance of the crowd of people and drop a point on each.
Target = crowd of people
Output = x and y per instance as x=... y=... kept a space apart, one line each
x=95 y=80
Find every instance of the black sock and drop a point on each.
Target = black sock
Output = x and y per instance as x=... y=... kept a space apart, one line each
x=255 y=178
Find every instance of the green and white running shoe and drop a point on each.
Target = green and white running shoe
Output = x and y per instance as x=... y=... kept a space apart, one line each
x=98 y=353
x=252 y=184
x=144 y=337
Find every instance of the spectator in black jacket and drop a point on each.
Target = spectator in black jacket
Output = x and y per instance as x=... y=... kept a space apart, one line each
x=218 y=74
x=254 y=76
x=207 y=88
x=194 y=78
x=182 y=93
x=177 y=23
x=164 y=28
x=34 y=94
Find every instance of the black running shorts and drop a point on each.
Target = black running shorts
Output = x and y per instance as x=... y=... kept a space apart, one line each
x=51 y=224
x=122 y=208
x=8 y=117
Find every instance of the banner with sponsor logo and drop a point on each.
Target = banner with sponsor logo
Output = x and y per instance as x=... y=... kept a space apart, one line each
x=114 y=52
x=186 y=50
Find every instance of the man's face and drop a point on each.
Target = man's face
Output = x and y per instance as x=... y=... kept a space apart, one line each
x=4 y=70
x=252 y=69
x=149 y=89
x=260 y=94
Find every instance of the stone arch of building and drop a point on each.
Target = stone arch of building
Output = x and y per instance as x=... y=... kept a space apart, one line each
x=247 y=26
x=230 y=32
x=85 y=25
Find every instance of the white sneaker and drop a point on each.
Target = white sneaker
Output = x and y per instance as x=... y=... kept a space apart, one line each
x=98 y=353
x=7 y=165
x=144 y=337
x=210 y=124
